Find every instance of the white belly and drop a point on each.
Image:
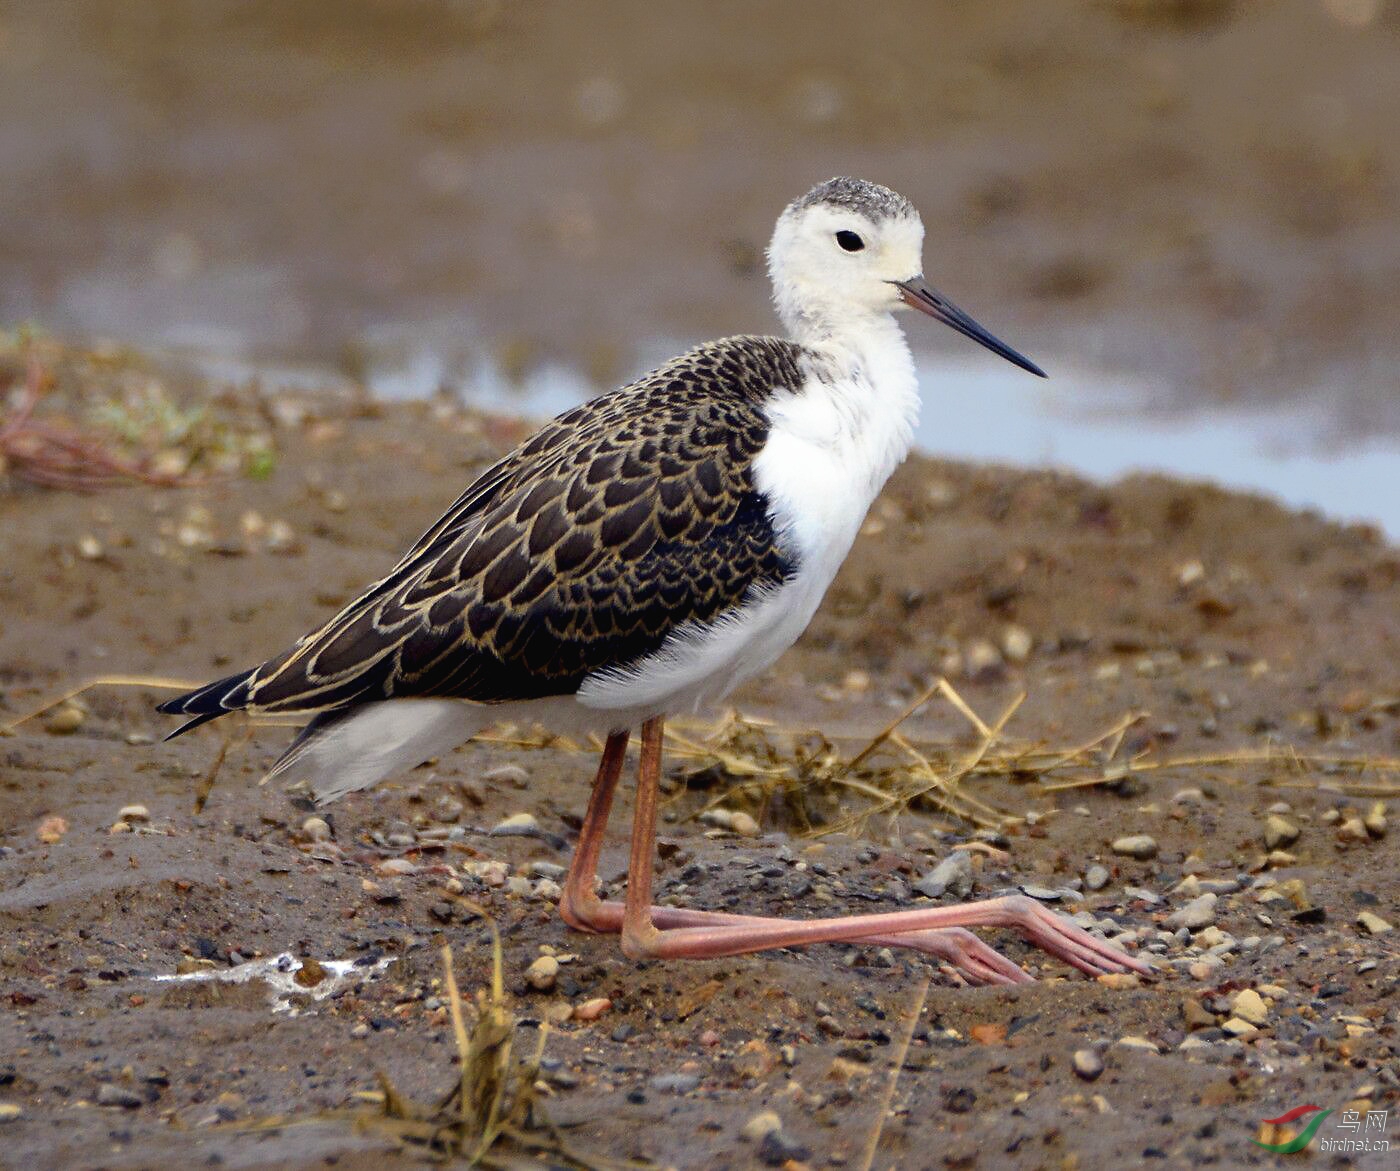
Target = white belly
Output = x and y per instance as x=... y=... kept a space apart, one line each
x=830 y=450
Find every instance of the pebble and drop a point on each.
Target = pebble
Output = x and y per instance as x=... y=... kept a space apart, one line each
x=743 y=825
x=1195 y=1015
x=1096 y=877
x=542 y=974
x=1249 y=1006
x=760 y=1126
x=316 y=829
x=516 y=824
x=360 y=1031
x=395 y=866
x=1198 y=913
x=281 y=538
x=1188 y=797
x=591 y=1010
x=951 y=876
x=1140 y=846
x=674 y=1083
x=134 y=813
x=1353 y=829
x=1279 y=832
x=64 y=722
x=310 y=973
x=51 y=829
x=1131 y=1042
x=1016 y=643
x=113 y=1095
x=1238 y=1027
x=507 y=774
x=9 y=1111
x=777 y=1150
x=1088 y=1064
x=1374 y=821
x=1372 y=924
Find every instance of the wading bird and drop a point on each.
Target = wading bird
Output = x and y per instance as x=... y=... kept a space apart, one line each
x=643 y=554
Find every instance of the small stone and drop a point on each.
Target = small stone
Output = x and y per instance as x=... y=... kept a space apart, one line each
x=114 y=1095
x=1195 y=915
x=89 y=548
x=360 y=1031
x=777 y=1150
x=310 y=973
x=757 y=1128
x=281 y=538
x=1195 y=1015
x=316 y=829
x=1372 y=924
x=1249 y=1006
x=1238 y=1027
x=1088 y=1064
x=1120 y=981
x=1016 y=643
x=52 y=829
x=556 y=1012
x=743 y=825
x=517 y=824
x=134 y=813
x=1131 y=1042
x=1353 y=829
x=1211 y=936
x=542 y=974
x=9 y=1111
x=392 y=866
x=1374 y=821
x=65 y=721
x=674 y=1083
x=507 y=774
x=591 y=1010
x=1192 y=796
x=980 y=657
x=951 y=876
x=1140 y=846
x=1279 y=832
x=1096 y=877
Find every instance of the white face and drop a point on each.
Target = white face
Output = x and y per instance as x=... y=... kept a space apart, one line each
x=830 y=262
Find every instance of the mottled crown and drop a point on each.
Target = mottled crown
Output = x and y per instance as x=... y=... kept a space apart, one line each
x=876 y=203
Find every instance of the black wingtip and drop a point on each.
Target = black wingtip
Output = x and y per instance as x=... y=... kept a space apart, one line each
x=190 y=725
x=208 y=702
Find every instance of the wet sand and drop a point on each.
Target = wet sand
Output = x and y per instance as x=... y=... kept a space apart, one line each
x=1233 y=625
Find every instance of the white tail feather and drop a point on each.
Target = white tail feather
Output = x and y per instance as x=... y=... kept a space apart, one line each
x=353 y=751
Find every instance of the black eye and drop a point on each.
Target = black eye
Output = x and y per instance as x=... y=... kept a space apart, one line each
x=850 y=241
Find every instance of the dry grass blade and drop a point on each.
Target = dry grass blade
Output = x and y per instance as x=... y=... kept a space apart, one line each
x=157 y=681
x=872 y=1144
x=492 y=1112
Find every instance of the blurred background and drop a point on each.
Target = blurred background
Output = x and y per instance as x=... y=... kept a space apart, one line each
x=1184 y=209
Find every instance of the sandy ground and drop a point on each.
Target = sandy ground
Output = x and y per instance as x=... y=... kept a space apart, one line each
x=1234 y=626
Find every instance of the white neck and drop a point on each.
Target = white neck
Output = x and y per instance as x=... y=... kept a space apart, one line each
x=866 y=363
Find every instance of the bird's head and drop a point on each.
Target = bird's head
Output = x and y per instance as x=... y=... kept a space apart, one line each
x=850 y=249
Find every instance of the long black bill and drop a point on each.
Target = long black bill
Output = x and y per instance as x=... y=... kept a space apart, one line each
x=918 y=295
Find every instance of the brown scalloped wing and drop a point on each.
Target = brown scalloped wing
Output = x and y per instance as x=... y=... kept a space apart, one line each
x=582 y=549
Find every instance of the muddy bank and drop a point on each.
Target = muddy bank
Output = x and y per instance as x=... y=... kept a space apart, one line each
x=1258 y=645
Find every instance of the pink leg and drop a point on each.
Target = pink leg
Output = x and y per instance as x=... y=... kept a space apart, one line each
x=581 y=908
x=579 y=904
x=642 y=940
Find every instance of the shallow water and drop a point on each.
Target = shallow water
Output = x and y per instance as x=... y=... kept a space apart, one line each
x=1199 y=198
x=1097 y=424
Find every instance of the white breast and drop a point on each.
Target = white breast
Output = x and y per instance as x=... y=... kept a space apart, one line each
x=832 y=444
